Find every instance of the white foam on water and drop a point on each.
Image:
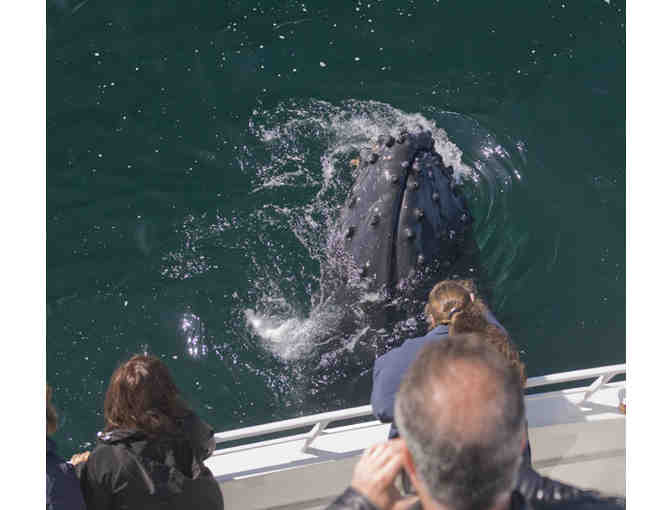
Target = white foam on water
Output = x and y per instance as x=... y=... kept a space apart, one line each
x=278 y=181
x=286 y=338
x=288 y=335
x=345 y=128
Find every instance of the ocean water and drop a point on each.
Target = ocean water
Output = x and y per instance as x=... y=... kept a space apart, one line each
x=198 y=152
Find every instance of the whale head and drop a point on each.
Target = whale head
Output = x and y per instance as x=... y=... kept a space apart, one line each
x=404 y=215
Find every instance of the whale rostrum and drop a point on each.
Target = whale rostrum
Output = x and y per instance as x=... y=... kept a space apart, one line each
x=404 y=210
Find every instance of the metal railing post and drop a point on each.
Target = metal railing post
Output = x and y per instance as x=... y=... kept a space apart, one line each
x=313 y=434
x=597 y=384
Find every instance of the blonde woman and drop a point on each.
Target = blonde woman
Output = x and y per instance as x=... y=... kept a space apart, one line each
x=453 y=307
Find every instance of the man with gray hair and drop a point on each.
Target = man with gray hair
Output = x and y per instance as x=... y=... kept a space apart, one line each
x=460 y=410
x=461 y=416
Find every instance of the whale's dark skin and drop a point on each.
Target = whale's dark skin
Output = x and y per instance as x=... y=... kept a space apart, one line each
x=404 y=215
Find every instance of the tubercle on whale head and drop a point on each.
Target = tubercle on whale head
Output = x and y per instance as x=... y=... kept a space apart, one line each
x=421 y=158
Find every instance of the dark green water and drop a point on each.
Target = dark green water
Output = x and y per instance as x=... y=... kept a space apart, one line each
x=195 y=157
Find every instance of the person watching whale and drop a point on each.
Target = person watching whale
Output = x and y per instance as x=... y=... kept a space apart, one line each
x=151 y=453
x=453 y=307
x=461 y=413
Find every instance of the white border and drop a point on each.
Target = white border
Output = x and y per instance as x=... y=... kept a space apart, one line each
x=22 y=54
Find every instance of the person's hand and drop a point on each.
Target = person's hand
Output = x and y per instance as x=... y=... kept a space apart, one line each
x=375 y=473
x=79 y=457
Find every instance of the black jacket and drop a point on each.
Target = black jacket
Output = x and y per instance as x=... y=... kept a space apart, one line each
x=533 y=492
x=127 y=470
x=63 y=492
x=545 y=493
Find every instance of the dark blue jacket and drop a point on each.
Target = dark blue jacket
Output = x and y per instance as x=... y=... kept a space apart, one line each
x=63 y=491
x=389 y=369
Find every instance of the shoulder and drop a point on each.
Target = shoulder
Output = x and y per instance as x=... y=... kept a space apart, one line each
x=108 y=460
x=63 y=489
x=200 y=435
x=104 y=451
x=391 y=360
x=543 y=492
x=389 y=369
x=109 y=469
x=408 y=345
x=406 y=352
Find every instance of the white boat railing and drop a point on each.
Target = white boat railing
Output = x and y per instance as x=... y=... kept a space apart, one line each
x=601 y=376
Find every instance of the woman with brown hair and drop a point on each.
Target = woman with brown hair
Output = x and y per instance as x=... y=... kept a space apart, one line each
x=151 y=452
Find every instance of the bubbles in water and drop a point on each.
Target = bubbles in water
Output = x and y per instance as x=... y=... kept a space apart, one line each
x=288 y=335
x=191 y=331
x=189 y=259
x=286 y=338
x=341 y=130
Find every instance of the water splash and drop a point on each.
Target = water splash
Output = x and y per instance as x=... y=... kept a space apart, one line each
x=298 y=161
x=290 y=337
x=305 y=148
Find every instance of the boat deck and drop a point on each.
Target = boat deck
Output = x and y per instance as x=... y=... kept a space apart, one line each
x=577 y=436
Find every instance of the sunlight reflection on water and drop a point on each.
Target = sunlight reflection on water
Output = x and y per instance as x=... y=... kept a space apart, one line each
x=192 y=332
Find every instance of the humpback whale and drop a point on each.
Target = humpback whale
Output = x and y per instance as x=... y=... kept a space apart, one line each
x=405 y=221
x=401 y=226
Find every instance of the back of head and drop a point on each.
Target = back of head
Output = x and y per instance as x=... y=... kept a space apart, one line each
x=460 y=410
x=143 y=396
x=445 y=300
x=455 y=303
